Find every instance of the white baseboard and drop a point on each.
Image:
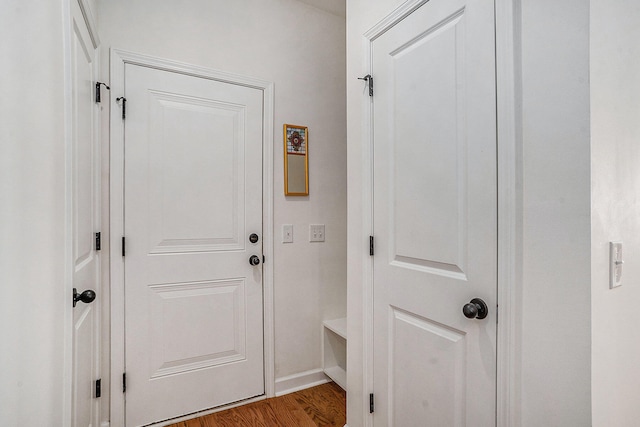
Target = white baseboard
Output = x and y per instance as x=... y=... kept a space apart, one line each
x=296 y=382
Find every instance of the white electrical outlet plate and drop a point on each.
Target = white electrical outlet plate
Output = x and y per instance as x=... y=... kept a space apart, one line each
x=287 y=233
x=316 y=232
x=615 y=264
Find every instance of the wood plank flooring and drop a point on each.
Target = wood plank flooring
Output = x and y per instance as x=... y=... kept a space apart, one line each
x=321 y=406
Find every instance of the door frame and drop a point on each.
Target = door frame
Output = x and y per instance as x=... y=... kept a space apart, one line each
x=509 y=210
x=67 y=24
x=119 y=58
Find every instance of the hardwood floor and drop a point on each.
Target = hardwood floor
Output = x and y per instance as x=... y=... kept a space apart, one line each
x=324 y=405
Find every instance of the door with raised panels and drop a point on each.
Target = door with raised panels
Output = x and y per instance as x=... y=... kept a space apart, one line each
x=85 y=220
x=193 y=272
x=435 y=217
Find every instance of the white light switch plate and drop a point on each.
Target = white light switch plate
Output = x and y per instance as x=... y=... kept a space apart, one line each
x=615 y=264
x=287 y=233
x=316 y=232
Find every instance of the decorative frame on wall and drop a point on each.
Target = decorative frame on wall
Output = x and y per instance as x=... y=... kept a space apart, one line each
x=296 y=160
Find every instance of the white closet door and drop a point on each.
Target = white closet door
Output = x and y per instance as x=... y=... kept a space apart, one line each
x=435 y=217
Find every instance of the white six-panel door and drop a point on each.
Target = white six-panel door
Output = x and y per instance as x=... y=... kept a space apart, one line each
x=85 y=199
x=193 y=197
x=435 y=217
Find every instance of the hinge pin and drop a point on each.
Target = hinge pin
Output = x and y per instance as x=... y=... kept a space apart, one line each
x=368 y=79
x=98 y=90
x=124 y=106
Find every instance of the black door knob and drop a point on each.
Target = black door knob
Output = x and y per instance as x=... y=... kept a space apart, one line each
x=254 y=260
x=476 y=309
x=86 y=297
x=254 y=238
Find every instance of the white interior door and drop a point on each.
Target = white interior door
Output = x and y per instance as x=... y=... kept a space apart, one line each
x=435 y=217
x=193 y=198
x=85 y=171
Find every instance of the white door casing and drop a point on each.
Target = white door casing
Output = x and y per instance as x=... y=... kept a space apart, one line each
x=120 y=59
x=85 y=221
x=193 y=195
x=435 y=216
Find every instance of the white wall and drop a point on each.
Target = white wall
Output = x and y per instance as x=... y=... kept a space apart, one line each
x=301 y=49
x=615 y=143
x=33 y=294
x=553 y=81
x=556 y=341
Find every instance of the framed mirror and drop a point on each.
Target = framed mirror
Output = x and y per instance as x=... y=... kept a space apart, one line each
x=296 y=160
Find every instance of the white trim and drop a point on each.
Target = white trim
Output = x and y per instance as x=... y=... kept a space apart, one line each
x=367 y=229
x=509 y=214
x=67 y=24
x=401 y=12
x=90 y=21
x=268 y=241
x=118 y=60
x=67 y=370
x=509 y=209
x=300 y=381
x=116 y=231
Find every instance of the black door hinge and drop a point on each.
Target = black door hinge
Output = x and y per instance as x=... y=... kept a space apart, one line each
x=98 y=388
x=369 y=80
x=371 y=406
x=122 y=245
x=98 y=242
x=124 y=382
x=124 y=106
x=371 y=245
x=98 y=84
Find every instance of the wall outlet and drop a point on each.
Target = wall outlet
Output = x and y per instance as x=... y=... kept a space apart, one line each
x=316 y=232
x=615 y=264
x=287 y=233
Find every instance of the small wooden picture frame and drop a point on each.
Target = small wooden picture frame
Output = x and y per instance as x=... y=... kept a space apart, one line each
x=296 y=160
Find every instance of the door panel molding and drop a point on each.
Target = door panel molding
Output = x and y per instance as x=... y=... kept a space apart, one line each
x=119 y=58
x=509 y=209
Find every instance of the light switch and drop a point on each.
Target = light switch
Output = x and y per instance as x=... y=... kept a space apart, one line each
x=316 y=232
x=615 y=264
x=287 y=233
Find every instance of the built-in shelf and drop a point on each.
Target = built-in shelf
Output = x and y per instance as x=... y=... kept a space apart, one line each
x=334 y=350
x=339 y=326
x=338 y=375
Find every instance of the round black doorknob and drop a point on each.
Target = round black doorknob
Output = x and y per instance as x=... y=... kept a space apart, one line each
x=476 y=309
x=254 y=260
x=254 y=238
x=86 y=297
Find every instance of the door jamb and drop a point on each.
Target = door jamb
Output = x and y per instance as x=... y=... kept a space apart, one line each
x=116 y=184
x=67 y=367
x=507 y=27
